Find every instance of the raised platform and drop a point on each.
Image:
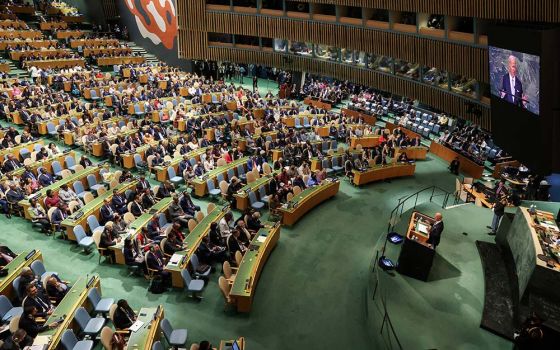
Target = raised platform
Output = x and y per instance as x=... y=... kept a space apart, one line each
x=450 y=302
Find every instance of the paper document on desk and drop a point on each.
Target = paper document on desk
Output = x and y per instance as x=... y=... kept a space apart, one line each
x=36 y=347
x=261 y=239
x=136 y=326
x=422 y=228
x=41 y=340
x=175 y=259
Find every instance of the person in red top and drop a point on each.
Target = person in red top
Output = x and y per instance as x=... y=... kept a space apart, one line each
x=52 y=199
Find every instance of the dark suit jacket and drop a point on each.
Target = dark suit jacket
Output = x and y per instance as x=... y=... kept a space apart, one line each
x=153 y=227
x=57 y=216
x=506 y=87
x=142 y=185
x=106 y=214
x=136 y=209
x=153 y=262
x=46 y=179
x=123 y=318
x=30 y=326
x=41 y=303
x=435 y=234
x=119 y=203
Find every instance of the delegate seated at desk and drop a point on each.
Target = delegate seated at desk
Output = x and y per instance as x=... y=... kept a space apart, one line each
x=37 y=300
x=435 y=231
x=28 y=323
x=124 y=316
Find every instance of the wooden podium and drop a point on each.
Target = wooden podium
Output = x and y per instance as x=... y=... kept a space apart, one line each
x=417 y=256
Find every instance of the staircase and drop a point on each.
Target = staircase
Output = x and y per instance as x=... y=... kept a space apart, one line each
x=150 y=59
x=15 y=72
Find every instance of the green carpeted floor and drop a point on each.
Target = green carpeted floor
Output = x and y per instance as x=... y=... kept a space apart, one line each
x=311 y=294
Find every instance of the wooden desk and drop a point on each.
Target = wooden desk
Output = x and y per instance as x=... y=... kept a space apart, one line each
x=366 y=141
x=317 y=103
x=74 y=299
x=21 y=34
x=42 y=125
x=7 y=23
x=97 y=147
x=276 y=154
x=323 y=131
x=379 y=173
x=307 y=200
x=16 y=55
x=62 y=63
x=368 y=118
x=128 y=158
x=69 y=34
x=191 y=243
x=416 y=153
x=467 y=166
x=116 y=50
x=149 y=333
x=242 y=196
x=200 y=185
x=92 y=208
x=37 y=44
x=46 y=163
x=499 y=167
x=317 y=164
x=416 y=256
x=136 y=227
x=245 y=284
x=161 y=171
x=24 y=259
x=30 y=146
x=78 y=176
x=53 y=25
x=110 y=61
x=93 y=42
x=477 y=196
x=411 y=134
x=23 y=9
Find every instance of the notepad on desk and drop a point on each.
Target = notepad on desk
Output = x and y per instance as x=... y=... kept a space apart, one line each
x=175 y=259
x=261 y=239
x=136 y=326
x=40 y=341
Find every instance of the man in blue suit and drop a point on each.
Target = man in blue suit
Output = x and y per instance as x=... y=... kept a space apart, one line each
x=512 y=88
x=45 y=178
x=107 y=212
x=119 y=202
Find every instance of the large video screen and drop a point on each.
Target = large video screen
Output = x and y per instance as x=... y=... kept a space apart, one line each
x=515 y=78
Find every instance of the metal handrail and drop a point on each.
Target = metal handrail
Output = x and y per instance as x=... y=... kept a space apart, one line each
x=397 y=212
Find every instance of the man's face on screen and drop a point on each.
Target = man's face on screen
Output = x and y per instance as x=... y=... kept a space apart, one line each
x=512 y=66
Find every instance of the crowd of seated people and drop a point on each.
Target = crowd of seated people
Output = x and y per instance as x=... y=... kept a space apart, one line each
x=28 y=46
x=29 y=58
x=469 y=140
x=328 y=91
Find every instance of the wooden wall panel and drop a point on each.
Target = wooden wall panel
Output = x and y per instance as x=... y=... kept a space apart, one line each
x=460 y=59
x=443 y=100
x=516 y=10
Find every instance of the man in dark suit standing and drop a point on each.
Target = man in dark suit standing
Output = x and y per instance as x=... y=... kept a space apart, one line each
x=512 y=88
x=435 y=231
